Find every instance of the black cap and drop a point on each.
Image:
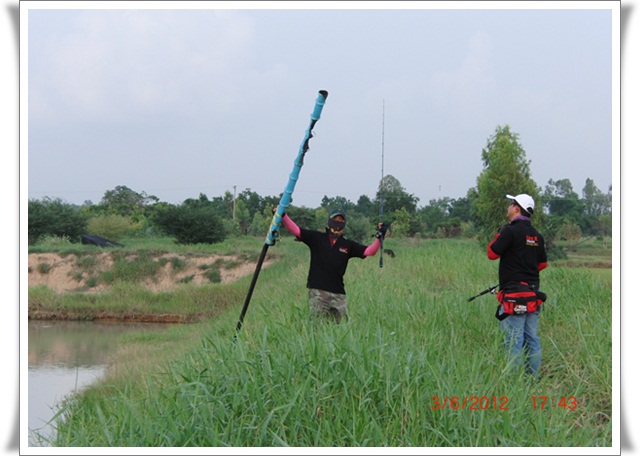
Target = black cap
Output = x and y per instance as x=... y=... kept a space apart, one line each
x=337 y=212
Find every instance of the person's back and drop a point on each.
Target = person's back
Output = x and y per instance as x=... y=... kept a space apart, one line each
x=520 y=248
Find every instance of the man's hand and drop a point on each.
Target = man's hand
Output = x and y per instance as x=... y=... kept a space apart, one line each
x=382 y=231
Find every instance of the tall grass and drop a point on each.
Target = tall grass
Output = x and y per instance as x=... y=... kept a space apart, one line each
x=411 y=341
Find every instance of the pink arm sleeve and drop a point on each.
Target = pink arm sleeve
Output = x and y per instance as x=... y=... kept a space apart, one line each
x=291 y=226
x=490 y=253
x=373 y=248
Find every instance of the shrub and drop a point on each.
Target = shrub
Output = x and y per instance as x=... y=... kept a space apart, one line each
x=113 y=227
x=53 y=217
x=259 y=225
x=54 y=241
x=191 y=225
x=569 y=232
x=213 y=275
x=178 y=264
x=359 y=228
x=44 y=268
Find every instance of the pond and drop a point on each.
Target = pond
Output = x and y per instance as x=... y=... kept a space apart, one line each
x=64 y=357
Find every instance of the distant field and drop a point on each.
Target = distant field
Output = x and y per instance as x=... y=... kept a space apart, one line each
x=593 y=254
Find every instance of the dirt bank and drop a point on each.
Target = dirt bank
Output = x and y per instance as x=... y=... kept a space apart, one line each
x=72 y=273
x=88 y=274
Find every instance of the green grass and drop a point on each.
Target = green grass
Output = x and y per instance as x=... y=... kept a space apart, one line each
x=244 y=246
x=412 y=339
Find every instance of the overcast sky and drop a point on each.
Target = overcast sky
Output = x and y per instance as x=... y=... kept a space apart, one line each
x=177 y=102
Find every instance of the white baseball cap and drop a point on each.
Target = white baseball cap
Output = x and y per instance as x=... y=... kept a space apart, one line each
x=524 y=201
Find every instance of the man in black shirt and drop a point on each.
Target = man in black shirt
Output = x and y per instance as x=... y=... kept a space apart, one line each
x=330 y=254
x=522 y=255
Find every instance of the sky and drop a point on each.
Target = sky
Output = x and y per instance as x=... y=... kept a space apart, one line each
x=176 y=102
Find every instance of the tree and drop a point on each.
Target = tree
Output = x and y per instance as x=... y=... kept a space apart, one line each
x=595 y=201
x=243 y=217
x=402 y=223
x=366 y=207
x=253 y=202
x=461 y=209
x=321 y=217
x=445 y=216
x=561 y=201
x=124 y=201
x=434 y=215
x=597 y=219
x=261 y=223
x=394 y=197
x=304 y=217
x=337 y=202
x=202 y=200
x=505 y=171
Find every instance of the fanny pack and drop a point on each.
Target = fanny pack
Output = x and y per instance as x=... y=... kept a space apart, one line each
x=519 y=299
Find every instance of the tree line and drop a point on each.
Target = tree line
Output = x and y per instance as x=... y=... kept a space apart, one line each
x=561 y=213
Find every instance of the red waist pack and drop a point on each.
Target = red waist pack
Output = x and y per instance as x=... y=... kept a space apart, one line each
x=519 y=299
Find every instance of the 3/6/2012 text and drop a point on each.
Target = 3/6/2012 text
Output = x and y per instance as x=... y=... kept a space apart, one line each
x=470 y=402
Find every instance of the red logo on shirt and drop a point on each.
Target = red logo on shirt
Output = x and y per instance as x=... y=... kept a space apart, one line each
x=532 y=241
x=344 y=250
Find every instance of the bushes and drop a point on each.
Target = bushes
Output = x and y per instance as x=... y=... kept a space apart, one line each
x=113 y=227
x=191 y=224
x=53 y=217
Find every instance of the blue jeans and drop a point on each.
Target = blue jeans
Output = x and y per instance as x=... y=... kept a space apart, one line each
x=522 y=341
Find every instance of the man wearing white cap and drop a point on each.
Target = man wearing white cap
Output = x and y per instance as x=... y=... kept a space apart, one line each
x=522 y=255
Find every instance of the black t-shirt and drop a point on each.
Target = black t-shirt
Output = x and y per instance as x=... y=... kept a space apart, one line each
x=521 y=249
x=329 y=263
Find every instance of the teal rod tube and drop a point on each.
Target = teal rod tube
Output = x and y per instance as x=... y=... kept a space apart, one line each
x=285 y=200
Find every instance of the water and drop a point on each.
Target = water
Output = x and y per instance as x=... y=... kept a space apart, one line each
x=64 y=357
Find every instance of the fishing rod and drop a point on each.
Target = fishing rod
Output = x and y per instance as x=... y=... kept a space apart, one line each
x=285 y=200
x=483 y=292
x=382 y=187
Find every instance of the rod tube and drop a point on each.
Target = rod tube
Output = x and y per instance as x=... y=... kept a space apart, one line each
x=285 y=200
x=256 y=273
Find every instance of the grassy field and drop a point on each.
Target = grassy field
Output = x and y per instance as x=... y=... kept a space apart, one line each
x=416 y=365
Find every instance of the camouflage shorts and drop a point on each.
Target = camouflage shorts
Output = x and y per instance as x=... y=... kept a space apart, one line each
x=324 y=304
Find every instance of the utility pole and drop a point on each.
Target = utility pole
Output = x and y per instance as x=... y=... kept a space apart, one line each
x=234 y=202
